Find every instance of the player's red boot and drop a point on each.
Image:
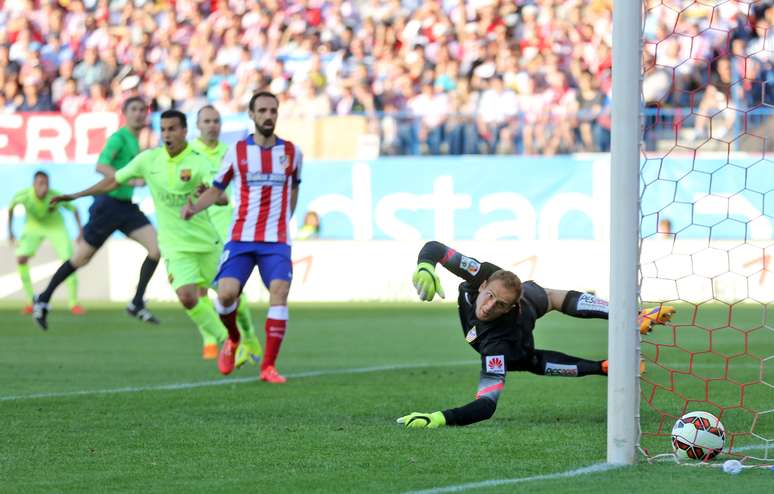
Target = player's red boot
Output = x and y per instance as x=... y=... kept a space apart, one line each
x=227 y=356
x=270 y=375
x=27 y=310
x=77 y=310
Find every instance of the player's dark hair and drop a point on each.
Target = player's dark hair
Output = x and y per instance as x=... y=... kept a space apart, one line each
x=261 y=94
x=176 y=114
x=40 y=173
x=205 y=107
x=129 y=101
x=509 y=280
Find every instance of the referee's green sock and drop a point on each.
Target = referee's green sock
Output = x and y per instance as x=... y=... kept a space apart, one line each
x=207 y=321
x=24 y=274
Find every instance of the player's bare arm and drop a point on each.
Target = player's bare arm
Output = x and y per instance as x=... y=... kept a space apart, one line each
x=11 y=238
x=102 y=187
x=206 y=199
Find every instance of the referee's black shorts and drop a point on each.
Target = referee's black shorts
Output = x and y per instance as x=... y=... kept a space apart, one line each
x=108 y=214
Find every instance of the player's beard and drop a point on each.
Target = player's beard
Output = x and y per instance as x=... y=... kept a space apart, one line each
x=266 y=131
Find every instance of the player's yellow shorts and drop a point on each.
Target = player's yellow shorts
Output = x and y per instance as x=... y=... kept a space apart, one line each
x=30 y=241
x=192 y=268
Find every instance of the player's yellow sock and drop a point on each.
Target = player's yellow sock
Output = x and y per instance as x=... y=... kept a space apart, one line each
x=72 y=290
x=207 y=321
x=244 y=320
x=24 y=274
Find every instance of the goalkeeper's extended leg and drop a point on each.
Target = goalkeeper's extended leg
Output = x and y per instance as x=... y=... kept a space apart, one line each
x=550 y=363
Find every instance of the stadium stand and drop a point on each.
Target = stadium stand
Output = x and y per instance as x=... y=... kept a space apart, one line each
x=433 y=77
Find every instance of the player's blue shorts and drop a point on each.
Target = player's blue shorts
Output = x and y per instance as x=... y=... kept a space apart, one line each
x=239 y=259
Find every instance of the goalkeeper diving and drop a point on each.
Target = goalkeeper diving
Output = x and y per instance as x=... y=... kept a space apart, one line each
x=498 y=314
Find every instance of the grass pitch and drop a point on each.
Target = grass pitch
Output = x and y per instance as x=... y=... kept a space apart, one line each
x=102 y=403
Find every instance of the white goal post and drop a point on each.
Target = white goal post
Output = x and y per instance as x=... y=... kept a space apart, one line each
x=623 y=334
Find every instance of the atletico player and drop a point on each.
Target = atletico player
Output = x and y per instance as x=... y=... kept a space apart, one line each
x=266 y=172
x=498 y=314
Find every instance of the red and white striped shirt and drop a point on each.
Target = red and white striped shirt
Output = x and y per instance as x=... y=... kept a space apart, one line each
x=263 y=178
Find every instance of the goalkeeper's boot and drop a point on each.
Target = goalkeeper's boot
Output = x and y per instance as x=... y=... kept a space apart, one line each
x=249 y=351
x=270 y=375
x=40 y=312
x=656 y=315
x=77 y=310
x=142 y=313
x=227 y=356
x=210 y=351
x=605 y=366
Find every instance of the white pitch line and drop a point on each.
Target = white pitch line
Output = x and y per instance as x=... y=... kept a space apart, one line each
x=237 y=380
x=598 y=467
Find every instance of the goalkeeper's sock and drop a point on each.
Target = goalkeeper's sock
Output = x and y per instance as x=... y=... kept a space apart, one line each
x=228 y=318
x=206 y=319
x=244 y=319
x=72 y=291
x=24 y=274
x=276 y=324
x=65 y=270
x=550 y=363
x=146 y=273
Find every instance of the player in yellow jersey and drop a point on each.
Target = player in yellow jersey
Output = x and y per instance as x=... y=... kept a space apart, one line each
x=42 y=222
x=174 y=174
x=208 y=144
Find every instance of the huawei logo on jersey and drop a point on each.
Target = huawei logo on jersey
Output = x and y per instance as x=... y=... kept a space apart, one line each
x=185 y=174
x=495 y=364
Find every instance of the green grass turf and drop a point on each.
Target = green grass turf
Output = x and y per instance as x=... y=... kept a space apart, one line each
x=319 y=433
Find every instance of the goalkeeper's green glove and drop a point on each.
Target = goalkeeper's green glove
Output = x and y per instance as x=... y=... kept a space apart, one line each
x=418 y=420
x=427 y=282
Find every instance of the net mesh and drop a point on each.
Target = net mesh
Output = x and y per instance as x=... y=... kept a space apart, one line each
x=707 y=217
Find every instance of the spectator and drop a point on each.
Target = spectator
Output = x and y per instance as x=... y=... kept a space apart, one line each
x=34 y=101
x=71 y=101
x=13 y=97
x=310 y=230
x=90 y=70
x=497 y=110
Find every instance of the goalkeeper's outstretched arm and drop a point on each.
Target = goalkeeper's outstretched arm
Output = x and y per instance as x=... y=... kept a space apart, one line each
x=482 y=408
x=465 y=267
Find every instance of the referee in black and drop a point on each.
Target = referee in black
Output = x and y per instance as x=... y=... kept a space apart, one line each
x=111 y=212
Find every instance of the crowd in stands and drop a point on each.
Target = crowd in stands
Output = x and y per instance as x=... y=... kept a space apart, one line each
x=434 y=76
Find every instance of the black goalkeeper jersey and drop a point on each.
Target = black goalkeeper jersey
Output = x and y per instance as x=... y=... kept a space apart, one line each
x=510 y=335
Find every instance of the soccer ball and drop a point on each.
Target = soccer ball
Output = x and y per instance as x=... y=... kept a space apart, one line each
x=698 y=436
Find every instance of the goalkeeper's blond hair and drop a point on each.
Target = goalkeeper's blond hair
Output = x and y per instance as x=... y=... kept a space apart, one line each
x=509 y=281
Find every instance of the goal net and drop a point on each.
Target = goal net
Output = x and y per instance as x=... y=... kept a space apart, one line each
x=707 y=220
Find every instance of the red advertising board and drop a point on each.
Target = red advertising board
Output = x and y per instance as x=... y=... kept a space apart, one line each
x=53 y=137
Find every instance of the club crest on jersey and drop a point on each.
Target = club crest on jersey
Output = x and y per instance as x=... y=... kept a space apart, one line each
x=470 y=265
x=495 y=364
x=185 y=174
x=471 y=336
